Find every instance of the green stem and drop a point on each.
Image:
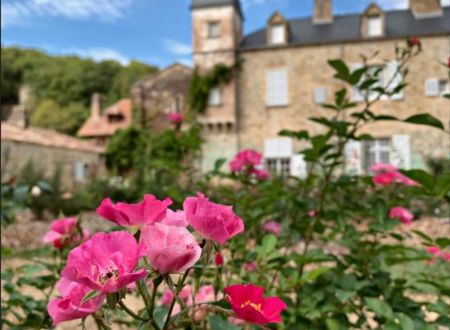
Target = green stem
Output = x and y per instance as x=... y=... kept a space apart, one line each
x=172 y=304
x=130 y=312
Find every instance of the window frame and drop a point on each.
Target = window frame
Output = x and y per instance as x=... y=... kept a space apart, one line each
x=216 y=33
x=282 y=35
x=276 y=98
x=371 y=31
x=377 y=149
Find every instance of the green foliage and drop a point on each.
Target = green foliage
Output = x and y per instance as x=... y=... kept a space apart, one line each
x=202 y=84
x=63 y=85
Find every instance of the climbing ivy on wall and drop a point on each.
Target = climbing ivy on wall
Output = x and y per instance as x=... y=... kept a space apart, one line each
x=202 y=84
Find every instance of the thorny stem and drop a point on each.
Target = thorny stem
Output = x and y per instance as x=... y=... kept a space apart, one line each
x=176 y=293
x=142 y=287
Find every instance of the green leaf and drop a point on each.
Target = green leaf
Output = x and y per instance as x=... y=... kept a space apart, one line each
x=268 y=244
x=443 y=242
x=424 y=236
x=405 y=322
x=342 y=71
x=333 y=324
x=299 y=135
x=45 y=186
x=385 y=117
x=90 y=295
x=218 y=323
x=380 y=308
x=421 y=177
x=219 y=163
x=425 y=119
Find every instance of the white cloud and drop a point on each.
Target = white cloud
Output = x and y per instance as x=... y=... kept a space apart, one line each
x=177 y=47
x=19 y=12
x=98 y=54
x=248 y=3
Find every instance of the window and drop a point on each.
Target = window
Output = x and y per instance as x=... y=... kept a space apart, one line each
x=80 y=171
x=320 y=95
x=213 y=29
x=279 y=166
x=376 y=151
x=278 y=34
x=374 y=26
x=277 y=88
x=215 y=97
x=443 y=87
x=373 y=72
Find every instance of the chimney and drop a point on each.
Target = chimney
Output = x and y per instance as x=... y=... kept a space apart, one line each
x=323 y=11
x=96 y=106
x=425 y=8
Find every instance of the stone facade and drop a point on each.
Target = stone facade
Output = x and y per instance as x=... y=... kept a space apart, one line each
x=255 y=123
x=78 y=161
x=159 y=94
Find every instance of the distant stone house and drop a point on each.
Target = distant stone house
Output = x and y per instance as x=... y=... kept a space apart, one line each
x=100 y=126
x=284 y=79
x=161 y=93
x=48 y=151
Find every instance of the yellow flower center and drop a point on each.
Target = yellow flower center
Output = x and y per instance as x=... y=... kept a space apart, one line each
x=252 y=305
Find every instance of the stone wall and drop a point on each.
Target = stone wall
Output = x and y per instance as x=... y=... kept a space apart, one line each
x=46 y=160
x=307 y=69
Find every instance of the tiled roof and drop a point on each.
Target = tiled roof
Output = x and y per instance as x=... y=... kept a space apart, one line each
x=346 y=28
x=47 y=138
x=215 y=3
x=101 y=126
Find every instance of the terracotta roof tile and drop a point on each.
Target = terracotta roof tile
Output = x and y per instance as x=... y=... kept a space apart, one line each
x=101 y=126
x=47 y=138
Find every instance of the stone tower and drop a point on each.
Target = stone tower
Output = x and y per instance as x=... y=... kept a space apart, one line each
x=217 y=33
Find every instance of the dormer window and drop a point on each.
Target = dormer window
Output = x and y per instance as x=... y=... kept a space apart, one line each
x=277 y=30
x=374 y=26
x=213 y=29
x=278 y=34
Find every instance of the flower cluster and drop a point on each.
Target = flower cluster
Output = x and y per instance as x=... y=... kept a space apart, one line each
x=109 y=263
x=402 y=214
x=175 y=118
x=436 y=252
x=387 y=174
x=248 y=162
x=64 y=232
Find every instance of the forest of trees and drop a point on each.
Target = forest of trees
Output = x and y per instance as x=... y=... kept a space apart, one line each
x=62 y=85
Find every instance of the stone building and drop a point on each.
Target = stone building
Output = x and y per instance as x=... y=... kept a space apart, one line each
x=101 y=125
x=284 y=79
x=161 y=93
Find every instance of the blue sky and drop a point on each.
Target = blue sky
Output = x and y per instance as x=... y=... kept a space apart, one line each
x=153 y=31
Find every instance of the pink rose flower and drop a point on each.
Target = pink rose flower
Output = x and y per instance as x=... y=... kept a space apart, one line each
x=185 y=296
x=244 y=160
x=170 y=249
x=312 y=213
x=106 y=262
x=400 y=178
x=402 y=214
x=68 y=306
x=250 y=266
x=446 y=256
x=63 y=232
x=218 y=259
x=261 y=174
x=434 y=250
x=206 y=294
x=175 y=118
x=248 y=303
x=175 y=218
x=272 y=227
x=384 y=179
x=380 y=167
x=213 y=221
x=147 y=212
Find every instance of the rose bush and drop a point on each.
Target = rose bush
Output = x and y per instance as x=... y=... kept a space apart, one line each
x=330 y=251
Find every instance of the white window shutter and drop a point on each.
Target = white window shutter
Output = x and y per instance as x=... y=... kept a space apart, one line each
x=356 y=94
x=278 y=35
x=298 y=166
x=278 y=148
x=215 y=96
x=432 y=87
x=401 y=151
x=390 y=72
x=277 y=87
x=320 y=95
x=80 y=171
x=353 y=157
